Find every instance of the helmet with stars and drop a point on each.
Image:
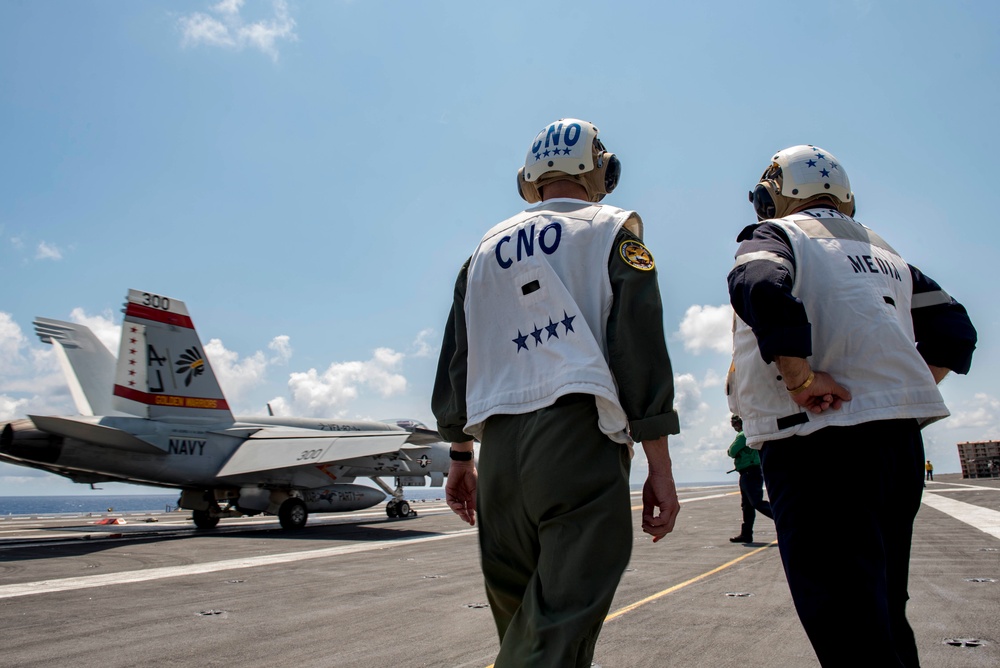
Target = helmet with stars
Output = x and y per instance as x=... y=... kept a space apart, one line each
x=799 y=175
x=568 y=150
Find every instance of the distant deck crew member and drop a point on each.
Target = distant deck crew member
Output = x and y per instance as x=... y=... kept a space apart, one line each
x=554 y=359
x=929 y=470
x=838 y=348
x=746 y=462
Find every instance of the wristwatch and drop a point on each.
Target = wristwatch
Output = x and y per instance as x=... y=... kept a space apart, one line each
x=460 y=456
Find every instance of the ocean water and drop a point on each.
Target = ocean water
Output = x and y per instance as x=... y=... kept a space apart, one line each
x=84 y=504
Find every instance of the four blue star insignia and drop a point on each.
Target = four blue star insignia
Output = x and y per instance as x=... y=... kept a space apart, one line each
x=521 y=340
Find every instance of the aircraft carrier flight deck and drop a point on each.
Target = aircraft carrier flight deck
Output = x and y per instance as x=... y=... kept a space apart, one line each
x=361 y=589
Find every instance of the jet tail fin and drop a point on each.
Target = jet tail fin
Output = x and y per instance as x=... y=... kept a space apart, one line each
x=162 y=368
x=89 y=367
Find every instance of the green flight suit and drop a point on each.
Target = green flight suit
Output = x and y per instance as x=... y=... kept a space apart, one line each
x=555 y=525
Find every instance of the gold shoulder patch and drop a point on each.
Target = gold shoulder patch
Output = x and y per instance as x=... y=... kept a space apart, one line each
x=636 y=255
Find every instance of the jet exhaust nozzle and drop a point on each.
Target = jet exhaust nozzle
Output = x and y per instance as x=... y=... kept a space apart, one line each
x=21 y=440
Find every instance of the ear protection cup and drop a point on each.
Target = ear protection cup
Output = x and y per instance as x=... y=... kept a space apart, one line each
x=763 y=200
x=527 y=190
x=612 y=173
x=604 y=177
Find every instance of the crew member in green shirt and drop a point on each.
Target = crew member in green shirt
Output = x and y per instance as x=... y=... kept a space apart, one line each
x=747 y=464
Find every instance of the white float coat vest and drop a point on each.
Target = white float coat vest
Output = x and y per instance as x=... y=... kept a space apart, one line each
x=856 y=291
x=536 y=308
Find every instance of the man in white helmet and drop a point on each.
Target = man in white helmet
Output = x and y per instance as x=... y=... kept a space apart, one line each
x=554 y=359
x=838 y=348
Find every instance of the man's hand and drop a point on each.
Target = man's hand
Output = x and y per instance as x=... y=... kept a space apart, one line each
x=659 y=492
x=460 y=492
x=822 y=393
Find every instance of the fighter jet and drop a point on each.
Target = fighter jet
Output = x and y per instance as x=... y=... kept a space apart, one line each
x=158 y=417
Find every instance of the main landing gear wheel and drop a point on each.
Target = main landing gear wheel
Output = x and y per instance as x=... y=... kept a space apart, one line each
x=203 y=520
x=293 y=514
x=399 y=508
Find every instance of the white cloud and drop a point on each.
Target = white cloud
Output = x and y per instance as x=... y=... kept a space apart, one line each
x=102 y=326
x=713 y=379
x=12 y=339
x=707 y=328
x=201 y=28
x=327 y=394
x=229 y=29
x=423 y=346
x=281 y=345
x=983 y=413
x=237 y=377
x=701 y=419
x=47 y=251
x=229 y=7
x=31 y=381
x=11 y=408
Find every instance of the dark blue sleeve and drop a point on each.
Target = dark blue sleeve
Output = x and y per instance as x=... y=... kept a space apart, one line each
x=943 y=330
x=760 y=290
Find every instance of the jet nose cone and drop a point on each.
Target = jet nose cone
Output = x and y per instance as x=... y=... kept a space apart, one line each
x=22 y=441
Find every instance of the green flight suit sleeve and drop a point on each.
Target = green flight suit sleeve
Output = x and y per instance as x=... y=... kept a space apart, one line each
x=448 y=397
x=637 y=349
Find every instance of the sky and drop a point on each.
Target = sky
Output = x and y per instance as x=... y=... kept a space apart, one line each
x=309 y=177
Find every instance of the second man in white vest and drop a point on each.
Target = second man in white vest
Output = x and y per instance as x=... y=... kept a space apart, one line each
x=838 y=348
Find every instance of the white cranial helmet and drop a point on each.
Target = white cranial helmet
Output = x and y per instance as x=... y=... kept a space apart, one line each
x=800 y=174
x=568 y=150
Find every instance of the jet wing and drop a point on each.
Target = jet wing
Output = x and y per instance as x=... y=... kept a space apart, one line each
x=288 y=448
x=83 y=429
x=422 y=436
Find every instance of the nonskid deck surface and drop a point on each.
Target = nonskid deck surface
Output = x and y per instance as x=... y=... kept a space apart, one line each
x=363 y=590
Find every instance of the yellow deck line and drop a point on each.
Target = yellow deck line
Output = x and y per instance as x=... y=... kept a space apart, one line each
x=678 y=587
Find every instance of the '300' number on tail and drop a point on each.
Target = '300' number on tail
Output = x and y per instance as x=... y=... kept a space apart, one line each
x=156 y=301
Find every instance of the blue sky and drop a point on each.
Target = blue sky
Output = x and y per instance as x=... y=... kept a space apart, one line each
x=308 y=177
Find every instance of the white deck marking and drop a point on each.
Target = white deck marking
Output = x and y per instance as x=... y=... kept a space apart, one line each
x=960 y=487
x=87 y=581
x=697 y=498
x=981 y=518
